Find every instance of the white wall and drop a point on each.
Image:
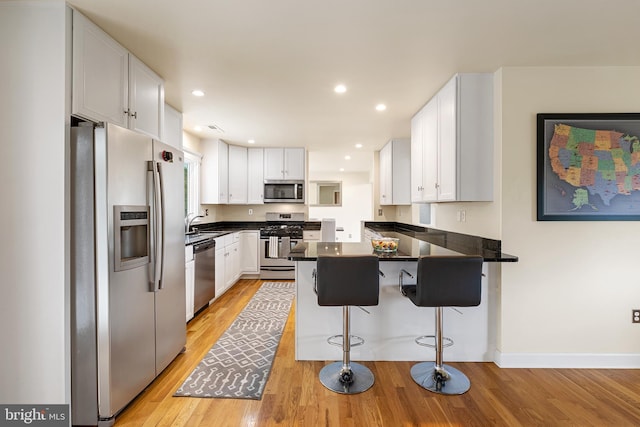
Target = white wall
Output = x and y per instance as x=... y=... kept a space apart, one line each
x=34 y=322
x=191 y=143
x=241 y=212
x=575 y=284
x=357 y=203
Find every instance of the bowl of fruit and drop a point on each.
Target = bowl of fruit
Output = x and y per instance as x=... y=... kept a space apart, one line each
x=385 y=244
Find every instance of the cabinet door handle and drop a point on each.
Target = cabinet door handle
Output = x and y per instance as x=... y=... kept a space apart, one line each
x=135 y=115
x=127 y=112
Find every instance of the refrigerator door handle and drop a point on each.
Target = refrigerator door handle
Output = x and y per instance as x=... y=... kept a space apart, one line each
x=153 y=235
x=151 y=184
x=160 y=235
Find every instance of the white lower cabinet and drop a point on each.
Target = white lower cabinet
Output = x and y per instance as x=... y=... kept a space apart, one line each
x=236 y=254
x=249 y=252
x=220 y=257
x=232 y=264
x=227 y=262
x=190 y=279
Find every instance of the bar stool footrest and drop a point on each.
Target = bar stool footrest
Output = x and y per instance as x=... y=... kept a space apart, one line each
x=337 y=340
x=446 y=341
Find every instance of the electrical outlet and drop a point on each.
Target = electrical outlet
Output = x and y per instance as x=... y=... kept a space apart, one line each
x=463 y=216
x=206 y=212
x=379 y=212
x=635 y=315
x=250 y=211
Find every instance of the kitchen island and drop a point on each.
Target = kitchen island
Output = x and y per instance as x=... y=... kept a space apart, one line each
x=391 y=327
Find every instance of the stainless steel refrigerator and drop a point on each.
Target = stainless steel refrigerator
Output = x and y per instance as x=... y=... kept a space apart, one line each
x=127 y=268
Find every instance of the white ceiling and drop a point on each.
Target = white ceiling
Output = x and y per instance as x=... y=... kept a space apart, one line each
x=268 y=67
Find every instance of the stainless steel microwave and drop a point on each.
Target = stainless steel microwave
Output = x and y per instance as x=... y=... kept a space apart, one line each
x=283 y=191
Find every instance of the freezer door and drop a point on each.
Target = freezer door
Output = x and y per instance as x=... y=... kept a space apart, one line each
x=125 y=305
x=170 y=314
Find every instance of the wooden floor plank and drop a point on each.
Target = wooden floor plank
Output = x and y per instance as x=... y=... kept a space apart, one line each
x=294 y=396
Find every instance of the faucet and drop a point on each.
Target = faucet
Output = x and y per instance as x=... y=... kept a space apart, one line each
x=188 y=221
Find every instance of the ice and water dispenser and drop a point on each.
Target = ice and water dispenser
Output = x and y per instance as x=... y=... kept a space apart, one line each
x=131 y=233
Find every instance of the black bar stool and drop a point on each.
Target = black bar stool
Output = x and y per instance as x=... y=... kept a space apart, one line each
x=346 y=281
x=443 y=281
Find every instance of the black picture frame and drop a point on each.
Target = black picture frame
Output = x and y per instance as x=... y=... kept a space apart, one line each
x=577 y=181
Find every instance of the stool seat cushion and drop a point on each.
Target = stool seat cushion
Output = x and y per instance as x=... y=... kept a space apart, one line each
x=448 y=281
x=348 y=280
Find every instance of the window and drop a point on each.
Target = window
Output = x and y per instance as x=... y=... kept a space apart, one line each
x=191 y=183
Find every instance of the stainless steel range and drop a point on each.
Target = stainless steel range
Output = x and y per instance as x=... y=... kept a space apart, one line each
x=282 y=232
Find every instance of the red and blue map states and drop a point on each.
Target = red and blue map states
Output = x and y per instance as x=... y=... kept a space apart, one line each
x=606 y=162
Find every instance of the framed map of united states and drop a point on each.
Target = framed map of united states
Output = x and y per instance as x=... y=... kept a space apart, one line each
x=588 y=167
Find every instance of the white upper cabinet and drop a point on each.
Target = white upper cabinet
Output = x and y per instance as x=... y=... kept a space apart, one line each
x=237 y=175
x=100 y=74
x=284 y=163
x=214 y=172
x=172 y=133
x=109 y=84
x=395 y=173
x=255 y=176
x=452 y=143
x=417 y=185
x=146 y=99
x=294 y=163
x=231 y=174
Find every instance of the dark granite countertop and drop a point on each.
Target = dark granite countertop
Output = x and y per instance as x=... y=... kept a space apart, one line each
x=409 y=249
x=489 y=249
x=204 y=231
x=415 y=241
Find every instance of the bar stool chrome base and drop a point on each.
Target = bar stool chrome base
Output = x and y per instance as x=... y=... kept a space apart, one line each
x=332 y=376
x=449 y=380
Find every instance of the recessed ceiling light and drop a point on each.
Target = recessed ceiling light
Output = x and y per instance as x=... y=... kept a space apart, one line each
x=197 y=128
x=381 y=107
x=251 y=141
x=197 y=92
x=347 y=157
x=341 y=169
x=340 y=89
x=358 y=145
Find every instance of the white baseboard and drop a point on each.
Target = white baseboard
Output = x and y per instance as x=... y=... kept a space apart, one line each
x=567 y=360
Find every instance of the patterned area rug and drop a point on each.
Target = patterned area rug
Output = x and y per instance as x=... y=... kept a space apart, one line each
x=238 y=365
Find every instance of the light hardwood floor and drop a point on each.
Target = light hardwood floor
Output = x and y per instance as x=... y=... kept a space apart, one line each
x=294 y=397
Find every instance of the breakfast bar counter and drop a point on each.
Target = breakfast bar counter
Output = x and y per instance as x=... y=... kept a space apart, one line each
x=390 y=328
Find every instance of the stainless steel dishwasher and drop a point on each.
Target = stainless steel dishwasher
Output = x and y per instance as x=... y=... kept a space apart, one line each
x=205 y=265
